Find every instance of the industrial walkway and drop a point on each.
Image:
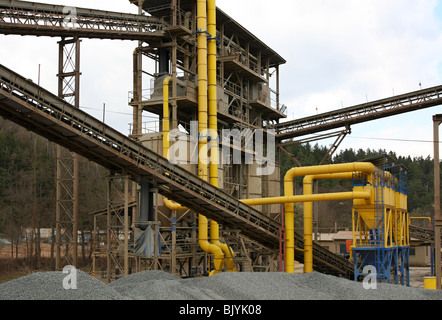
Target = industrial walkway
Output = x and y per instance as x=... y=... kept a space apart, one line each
x=38 y=110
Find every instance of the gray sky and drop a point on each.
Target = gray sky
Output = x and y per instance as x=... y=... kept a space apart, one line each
x=339 y=53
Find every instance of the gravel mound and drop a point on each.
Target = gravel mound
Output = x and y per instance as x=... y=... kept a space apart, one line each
x=49 y=286
x=158 y=285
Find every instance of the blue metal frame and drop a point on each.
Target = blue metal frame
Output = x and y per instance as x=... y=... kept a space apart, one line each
x=386 y=261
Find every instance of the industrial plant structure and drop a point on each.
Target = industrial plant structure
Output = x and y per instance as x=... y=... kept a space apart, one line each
x=199 y=191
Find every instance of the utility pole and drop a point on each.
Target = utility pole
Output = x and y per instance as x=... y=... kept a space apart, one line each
x=437 y=119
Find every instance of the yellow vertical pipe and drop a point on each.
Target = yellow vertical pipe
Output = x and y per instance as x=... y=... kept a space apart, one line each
x=166 y=117
x=166 y=130
x=213 y=127
x=202 y=87
x=202 y=129
x=308 y=214
x=289 y=221
x=290 y=207
x=212 y=114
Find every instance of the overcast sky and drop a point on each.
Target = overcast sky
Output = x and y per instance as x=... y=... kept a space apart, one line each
x=339 y=53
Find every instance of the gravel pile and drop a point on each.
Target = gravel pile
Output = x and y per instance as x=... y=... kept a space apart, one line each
x=49 y=286
x=158 y=285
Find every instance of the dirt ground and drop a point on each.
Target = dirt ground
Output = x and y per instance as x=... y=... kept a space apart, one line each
x=14 y=263
x=417 y=275
x=23 y=250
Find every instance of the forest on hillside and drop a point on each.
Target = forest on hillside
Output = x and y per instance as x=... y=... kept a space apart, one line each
x=28 y=169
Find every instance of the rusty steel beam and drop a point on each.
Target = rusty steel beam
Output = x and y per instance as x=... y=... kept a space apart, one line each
x=412 y=101
x=39 y=19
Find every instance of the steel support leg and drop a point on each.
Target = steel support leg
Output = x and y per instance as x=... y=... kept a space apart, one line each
x=67 y=162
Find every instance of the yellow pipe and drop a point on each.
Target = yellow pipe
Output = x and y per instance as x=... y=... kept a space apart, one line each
x=290 y=208
x=166 y=117
x=429 y=218
x=308 y=214
x=213 y=127
x=202 y=129
x=173 y=205
x=308 y=198
x=203 y=65
x=166 y=143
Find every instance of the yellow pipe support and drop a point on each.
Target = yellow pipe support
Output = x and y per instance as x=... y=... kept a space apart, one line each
x=202 y=129
x=290 y=209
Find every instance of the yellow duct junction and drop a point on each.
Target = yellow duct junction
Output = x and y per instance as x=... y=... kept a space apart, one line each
x=362 y=195
x=291 y=174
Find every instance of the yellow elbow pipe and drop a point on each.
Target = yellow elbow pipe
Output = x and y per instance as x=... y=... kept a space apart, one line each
x=166 y=143
x=173 y=205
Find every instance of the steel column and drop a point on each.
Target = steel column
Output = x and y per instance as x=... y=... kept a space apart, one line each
x=67 y=161
x=118 y=226
x=437 y=119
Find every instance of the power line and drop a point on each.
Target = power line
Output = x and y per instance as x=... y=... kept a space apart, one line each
x=118 y=112
x=393 y=139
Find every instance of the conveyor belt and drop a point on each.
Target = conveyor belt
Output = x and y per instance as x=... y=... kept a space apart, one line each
x=40 y=19
x=38 y=110
x=425 y=234
x=411 y=101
